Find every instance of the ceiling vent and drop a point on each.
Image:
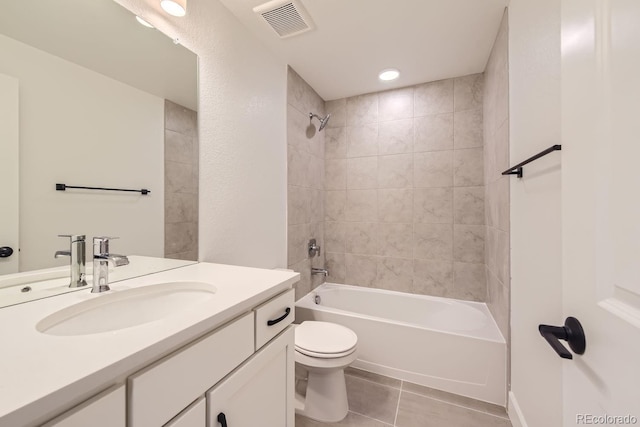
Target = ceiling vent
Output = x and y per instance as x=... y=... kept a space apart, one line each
x=287 y=18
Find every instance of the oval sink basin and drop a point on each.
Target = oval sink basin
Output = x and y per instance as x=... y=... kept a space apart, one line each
x=127 y=308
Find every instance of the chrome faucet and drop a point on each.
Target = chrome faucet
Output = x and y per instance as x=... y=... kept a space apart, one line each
x=322 y=271
x=313 y=248
x=101 y=259
x=77 y=253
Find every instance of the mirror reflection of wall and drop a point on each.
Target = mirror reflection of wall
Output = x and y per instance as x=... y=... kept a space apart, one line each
x=181 y=182
x=102 y=102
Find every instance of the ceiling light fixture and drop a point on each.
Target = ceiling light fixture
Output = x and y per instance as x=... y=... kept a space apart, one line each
x=174 y=7
x=389 y=74
x=143 y=22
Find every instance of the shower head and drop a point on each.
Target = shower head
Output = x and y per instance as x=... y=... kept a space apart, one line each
x=323 y=121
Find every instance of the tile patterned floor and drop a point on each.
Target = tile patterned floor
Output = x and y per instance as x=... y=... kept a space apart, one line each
x=378 y=401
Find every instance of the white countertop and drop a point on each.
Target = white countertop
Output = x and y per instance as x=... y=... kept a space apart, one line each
x=41 y=375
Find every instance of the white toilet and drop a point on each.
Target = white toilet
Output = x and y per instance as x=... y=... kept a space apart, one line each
x=323 y=350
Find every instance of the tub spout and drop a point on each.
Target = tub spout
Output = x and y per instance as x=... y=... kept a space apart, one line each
x=322 y=271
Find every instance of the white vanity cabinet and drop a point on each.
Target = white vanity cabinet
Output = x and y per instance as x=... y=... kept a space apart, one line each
x=159 y=393
x=260 y=393
x=107 y=409
x=194 y=416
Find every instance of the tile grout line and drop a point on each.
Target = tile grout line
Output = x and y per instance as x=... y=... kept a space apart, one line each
x=458 y=405
x=376 y=382
x=395 y=419
x=454 y=288
x=413 y=211
x=370 y=418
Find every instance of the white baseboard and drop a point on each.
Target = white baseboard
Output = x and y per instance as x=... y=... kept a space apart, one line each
x=515 y=414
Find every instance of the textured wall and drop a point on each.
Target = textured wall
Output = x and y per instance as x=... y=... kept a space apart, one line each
x=242 y=113
x=305 y=189
x=496 y=160
x=404 y=189
x=181 y=182
x=536 y=220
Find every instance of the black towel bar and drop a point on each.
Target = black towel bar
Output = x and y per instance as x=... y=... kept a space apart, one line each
x=63 y=187
x=517 y=169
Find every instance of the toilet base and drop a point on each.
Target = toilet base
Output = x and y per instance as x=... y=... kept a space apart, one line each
x=326 y=398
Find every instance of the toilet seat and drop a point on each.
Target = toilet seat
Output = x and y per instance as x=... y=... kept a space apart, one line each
x=324 y=340
x=325 y=355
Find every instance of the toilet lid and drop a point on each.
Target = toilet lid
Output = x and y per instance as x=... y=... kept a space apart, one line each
x=324 y=339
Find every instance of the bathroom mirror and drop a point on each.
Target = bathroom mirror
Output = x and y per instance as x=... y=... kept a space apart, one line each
x=90 y=97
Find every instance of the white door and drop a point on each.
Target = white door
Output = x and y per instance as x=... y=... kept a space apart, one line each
x=601 y=207
x=8 y=174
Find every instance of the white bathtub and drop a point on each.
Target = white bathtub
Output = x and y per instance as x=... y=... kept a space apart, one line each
x=441 y=343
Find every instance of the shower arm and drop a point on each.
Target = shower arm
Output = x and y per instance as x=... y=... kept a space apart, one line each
x=323 y=120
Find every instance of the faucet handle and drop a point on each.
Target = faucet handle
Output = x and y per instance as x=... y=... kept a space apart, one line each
x=101 y=244
x=59 y=254
x=314 y=248
x=74 y=237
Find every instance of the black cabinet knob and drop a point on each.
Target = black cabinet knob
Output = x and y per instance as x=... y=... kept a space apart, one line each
x=6 y=252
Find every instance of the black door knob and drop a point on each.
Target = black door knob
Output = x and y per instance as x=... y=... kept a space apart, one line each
x=6 y=252
x=572 y=332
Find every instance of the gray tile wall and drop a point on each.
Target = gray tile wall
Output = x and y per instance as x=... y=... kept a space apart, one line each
x=305 y=180
x=404 y=199
x=496 y=158
x=180 y=182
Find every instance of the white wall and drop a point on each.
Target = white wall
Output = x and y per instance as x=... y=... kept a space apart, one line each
x=536 y=284
x=242 y=114
x=81 y=128
x=9 y=190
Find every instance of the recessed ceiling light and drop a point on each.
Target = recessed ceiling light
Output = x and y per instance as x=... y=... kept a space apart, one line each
x=143 y=22
x=389 y=74
x=174 y=7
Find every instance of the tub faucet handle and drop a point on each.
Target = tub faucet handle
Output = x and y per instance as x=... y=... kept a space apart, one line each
x=314 y=248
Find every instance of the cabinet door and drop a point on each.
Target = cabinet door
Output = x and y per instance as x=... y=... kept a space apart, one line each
x=162 y=390
x=194 y=416
x=260 y=392
x=104 y=410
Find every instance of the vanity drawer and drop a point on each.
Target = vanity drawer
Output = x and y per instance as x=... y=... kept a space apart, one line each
x=274 y=316
x=159 y=392
x=107 y=409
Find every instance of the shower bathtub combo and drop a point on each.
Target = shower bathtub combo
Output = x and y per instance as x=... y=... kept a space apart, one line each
x=442 y=343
